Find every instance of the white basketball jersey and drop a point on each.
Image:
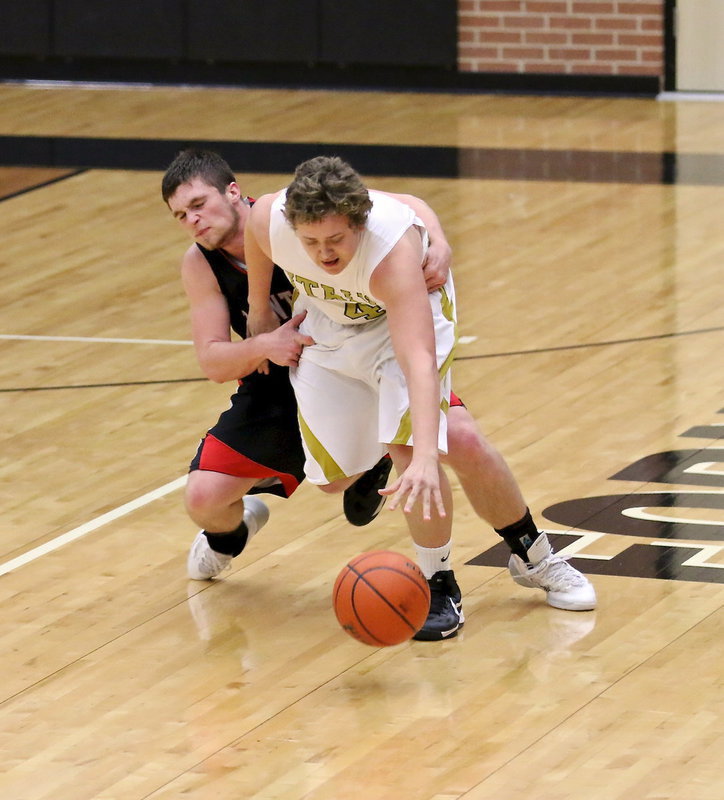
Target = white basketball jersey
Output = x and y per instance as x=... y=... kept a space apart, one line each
x=346 y=297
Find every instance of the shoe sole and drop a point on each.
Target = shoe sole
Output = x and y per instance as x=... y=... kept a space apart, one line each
x=522 y=580
x=562 y=604
x=437 y=636
x=571 y=606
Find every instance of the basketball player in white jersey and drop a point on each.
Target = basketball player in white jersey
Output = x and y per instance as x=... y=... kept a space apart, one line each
x=377 y=378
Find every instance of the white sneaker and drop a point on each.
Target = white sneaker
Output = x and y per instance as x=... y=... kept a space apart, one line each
x=203 y=563
x=565 y=586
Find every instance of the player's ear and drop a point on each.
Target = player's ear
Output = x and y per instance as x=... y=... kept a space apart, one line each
x=233 y=192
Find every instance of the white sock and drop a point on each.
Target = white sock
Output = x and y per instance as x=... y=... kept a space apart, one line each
x=433 y=559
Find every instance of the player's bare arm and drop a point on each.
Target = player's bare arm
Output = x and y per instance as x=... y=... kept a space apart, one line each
x=397 y=281
x=220 y=358
x=259 y=266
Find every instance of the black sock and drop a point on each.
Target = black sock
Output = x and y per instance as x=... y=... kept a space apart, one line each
x=230 y=543
x=520 y=535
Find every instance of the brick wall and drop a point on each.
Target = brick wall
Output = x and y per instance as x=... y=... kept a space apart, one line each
x=569 y=37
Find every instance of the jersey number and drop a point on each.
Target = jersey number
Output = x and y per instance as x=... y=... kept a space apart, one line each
x=359 y=310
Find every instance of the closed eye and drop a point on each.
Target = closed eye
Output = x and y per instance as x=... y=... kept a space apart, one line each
x=331 y=240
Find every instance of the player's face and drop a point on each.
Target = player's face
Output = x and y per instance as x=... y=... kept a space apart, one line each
x=330 y=243
x=208 y=216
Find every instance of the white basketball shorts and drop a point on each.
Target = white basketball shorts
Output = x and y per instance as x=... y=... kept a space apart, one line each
x=352 y=394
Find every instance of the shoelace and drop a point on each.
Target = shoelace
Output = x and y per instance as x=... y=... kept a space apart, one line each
x=559 y=573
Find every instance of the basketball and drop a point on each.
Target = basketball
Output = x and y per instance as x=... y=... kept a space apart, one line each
x=381 y=598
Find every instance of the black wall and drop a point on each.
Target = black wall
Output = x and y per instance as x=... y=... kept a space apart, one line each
x=326 y=43
x=308 y=32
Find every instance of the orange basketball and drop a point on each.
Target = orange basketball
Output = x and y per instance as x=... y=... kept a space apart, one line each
x=381 y=598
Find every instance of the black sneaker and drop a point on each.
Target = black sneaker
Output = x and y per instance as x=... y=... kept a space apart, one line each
x=446 y=609
x=362 y=503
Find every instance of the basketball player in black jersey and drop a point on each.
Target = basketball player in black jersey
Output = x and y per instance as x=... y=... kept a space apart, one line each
x=255 y=445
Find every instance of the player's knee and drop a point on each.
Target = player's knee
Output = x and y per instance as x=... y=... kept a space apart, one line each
x=205 y=494
x=468 y=449
x=198 y=499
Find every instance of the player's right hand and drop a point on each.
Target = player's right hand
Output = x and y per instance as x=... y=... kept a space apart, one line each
x=419 y=482
x=286 y=343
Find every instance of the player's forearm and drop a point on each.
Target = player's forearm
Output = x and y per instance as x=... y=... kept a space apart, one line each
x=260 y=317
x=229 y=361
x=260 y=277
x=259 y=265
x=423 y=386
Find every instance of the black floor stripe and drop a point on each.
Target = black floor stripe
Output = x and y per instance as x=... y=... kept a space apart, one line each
x=33 y=186
x=592 y=166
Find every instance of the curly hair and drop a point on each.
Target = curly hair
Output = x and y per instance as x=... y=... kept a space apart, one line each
x=195 y=163
x=323 y=186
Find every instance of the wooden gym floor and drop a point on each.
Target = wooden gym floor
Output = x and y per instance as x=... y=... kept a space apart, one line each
x=589 y=246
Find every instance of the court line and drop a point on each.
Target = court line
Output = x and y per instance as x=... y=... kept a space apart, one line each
x=161 y=381
x=89 y=527
x=463 y=340
x=607 y=343
x=101 y=339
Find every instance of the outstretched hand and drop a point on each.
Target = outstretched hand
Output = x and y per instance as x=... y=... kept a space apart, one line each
x=420 y=481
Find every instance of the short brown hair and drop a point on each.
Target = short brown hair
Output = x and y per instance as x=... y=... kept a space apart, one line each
x=195 y=163
x=323 y=186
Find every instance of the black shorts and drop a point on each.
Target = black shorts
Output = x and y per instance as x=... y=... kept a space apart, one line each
x=257 y=437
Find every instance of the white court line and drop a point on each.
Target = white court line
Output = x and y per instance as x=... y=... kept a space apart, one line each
x=706 y=97
x=89 y=527
x=91 y=339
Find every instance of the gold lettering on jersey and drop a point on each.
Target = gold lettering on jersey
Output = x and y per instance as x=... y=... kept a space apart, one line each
x=331 y=294
x=306 y=283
